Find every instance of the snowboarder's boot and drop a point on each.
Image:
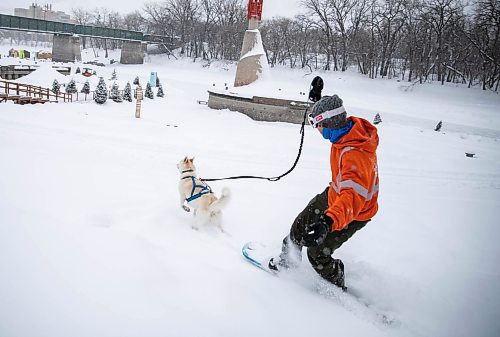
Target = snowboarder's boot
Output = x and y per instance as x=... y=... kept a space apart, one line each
x=338 y=277
x=289 y=258
x=329 y=269
x=274 y=264
x=278 y=264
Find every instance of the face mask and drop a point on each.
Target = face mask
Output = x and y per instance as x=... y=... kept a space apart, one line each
x=333 y=135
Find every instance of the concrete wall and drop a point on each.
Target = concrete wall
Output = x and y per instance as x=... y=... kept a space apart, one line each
x=66 y=48
x=260 y=108
x=132 y=53
x=12 y=73
x=248 y=70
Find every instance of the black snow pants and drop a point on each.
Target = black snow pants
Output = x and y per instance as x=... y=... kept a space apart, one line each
x=320 y=256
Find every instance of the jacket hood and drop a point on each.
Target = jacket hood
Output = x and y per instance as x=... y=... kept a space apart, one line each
x=363 y=135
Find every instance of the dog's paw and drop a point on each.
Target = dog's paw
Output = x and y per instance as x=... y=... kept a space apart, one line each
x=187 y=209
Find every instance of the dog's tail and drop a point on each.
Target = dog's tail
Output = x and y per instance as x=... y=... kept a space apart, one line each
x=220 y=203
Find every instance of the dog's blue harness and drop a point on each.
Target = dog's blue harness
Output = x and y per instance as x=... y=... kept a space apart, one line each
x=205 y=189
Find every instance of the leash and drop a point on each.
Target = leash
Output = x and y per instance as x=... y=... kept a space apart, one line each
x=314 y=95
x=280 y=176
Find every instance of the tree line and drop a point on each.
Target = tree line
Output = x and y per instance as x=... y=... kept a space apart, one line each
x=208 y=29
x=414 y=40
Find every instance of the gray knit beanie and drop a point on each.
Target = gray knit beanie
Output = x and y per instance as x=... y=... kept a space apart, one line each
x=329 y=103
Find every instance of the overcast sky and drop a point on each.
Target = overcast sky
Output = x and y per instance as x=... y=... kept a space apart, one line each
x=272 y=8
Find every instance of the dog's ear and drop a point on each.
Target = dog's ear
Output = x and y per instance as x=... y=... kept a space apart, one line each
x=185 y=159
x=191 y=160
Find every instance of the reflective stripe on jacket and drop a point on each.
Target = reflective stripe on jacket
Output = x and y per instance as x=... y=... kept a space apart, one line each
x=354 y=188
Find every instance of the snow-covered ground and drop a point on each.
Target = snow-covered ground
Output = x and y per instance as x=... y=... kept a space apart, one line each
x=93 y=241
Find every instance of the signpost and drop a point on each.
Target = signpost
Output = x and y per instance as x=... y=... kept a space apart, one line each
x=138 y=99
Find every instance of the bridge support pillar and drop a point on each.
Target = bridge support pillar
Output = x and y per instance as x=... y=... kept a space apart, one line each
x=132 y=52
x=66 y=48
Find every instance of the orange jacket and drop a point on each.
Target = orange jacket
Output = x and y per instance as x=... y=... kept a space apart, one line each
x=353 y=191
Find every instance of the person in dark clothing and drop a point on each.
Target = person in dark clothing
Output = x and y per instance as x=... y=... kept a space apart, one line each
x=316 y=88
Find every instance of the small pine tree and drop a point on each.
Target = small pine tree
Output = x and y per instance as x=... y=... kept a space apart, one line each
x=160 y=93
x=377 y=119
x=127 y=93
x=115 y=94
x=114 y=91
x=56 y=87
x=86 y=88
x=157 y=81
x=77 y=70
x=136 y=81
x=101 y=93
x=149 y=91
x=438 y=126
x=113 y=76
x=71 y=87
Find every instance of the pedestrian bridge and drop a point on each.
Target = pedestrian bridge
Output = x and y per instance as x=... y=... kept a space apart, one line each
x=67 y=37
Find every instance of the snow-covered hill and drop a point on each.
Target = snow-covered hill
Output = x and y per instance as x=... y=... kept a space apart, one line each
x=93 y=241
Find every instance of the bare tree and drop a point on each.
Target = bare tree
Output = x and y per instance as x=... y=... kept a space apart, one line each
x=484 y=36
x=83 y=17
x=441 y=16
x=183 y=14
x=158 y=19
x=134 y=21
x=231 y=24
x=207 y=25
x=417 y=40
x=323 y=11
x=388 y=24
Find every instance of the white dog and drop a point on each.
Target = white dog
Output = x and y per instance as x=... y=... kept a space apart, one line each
x=198 y=195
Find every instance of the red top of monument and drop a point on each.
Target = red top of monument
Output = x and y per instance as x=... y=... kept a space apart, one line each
x=255 y=9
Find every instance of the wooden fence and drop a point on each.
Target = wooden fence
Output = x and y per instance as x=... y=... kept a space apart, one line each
x=79 y=96
x=27 y=93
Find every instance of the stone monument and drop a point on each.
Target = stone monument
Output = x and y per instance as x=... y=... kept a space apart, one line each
x=253 y=56
x=252 y=65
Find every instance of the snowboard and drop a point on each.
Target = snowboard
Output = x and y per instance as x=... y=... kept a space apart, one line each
x=258 y=254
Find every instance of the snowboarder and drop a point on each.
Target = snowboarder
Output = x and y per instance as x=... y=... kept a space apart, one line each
x=345 y=206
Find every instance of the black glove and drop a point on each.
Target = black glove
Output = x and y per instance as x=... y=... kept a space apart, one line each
x=316 y=232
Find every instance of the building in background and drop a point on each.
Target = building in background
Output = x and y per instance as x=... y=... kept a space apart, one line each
x=44 y=12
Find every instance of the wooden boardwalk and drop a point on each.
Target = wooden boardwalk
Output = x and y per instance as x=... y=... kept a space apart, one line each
x=30 y=94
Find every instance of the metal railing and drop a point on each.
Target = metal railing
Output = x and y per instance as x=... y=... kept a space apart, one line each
x=19 y=23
